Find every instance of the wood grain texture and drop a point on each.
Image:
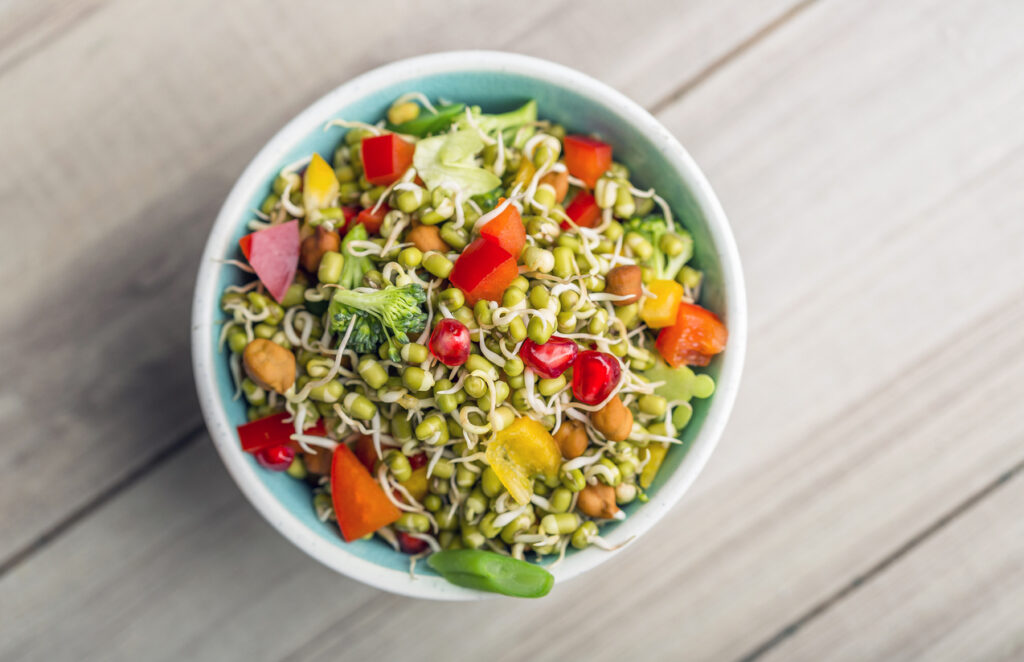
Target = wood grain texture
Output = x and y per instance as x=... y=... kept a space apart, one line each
x=138 y=118
x=869 y=156
x=958 y=597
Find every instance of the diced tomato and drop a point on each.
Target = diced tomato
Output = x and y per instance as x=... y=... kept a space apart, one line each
x=385 y=158
x=410 y=545
x=273 y=431
x=484 y=271
x=371 y=219
x=506 y=229
x=587 y=158
x=583 y=211
x=273 y=254
x=359 y=502
x=696 y=336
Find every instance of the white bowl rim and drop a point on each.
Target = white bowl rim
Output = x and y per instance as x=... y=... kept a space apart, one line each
x=204 y=350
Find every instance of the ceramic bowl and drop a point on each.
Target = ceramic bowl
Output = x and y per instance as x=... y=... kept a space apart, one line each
x=497 y=82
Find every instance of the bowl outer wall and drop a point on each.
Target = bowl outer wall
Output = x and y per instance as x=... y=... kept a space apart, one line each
x=480 y=75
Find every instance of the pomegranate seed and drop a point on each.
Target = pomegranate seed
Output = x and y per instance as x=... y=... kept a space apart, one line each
x=450 y=342
x=594 y=376
x=550 y=359
x=409 y=544
x=276 y=458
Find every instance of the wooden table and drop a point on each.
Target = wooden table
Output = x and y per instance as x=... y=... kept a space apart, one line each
x=865 y=503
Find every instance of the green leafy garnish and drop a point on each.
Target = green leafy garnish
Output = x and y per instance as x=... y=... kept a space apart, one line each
x=452 y=157
x=428 y=123
x=653 y=228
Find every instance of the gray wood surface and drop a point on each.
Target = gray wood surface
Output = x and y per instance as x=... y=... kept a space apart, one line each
x=864 y=503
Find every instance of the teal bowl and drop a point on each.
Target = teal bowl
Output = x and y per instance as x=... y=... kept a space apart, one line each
x=497 y=82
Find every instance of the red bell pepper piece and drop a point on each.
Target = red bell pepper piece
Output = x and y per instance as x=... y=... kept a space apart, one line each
x=587 y=158
x=273 y=254
x=484 y=271
x=272 y=431
x=506 y=229
x=696 y=336
x=372 y=220
x=359 y=502
x=385 y=158
x=583 y=211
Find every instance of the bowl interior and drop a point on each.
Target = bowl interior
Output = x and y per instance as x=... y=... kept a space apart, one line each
x=649 y=160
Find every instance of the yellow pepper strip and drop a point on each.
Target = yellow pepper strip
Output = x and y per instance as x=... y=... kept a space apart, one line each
x=319 y=185
x=416 y=484
x=661 y=309
x=658 y=452
x=520 y=452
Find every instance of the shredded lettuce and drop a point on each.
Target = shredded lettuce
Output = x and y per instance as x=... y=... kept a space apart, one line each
x=452 y=157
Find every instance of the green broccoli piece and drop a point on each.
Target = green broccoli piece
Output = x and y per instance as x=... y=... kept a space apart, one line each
x=379 y=316
x=354 y=268
x=672 y=250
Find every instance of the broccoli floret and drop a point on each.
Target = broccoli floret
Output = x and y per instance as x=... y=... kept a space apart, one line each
x=354 y=268
x=672 y=250
x=391 y=314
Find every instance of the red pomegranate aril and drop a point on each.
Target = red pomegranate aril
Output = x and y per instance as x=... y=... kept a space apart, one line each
x=450 y=342
x=550 y=359
x=409 y=544
x=276 y=458
x=418 y=460
x=595 y=376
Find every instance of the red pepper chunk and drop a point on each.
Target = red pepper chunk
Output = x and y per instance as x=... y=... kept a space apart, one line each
x=506 y=229
x=372 y=220
x=583 y=211
x=696 y=336
x=483 y=271
x=359 y=503
x=271 y=431
x=587 y=158
x=273 y=253
x=385 y=158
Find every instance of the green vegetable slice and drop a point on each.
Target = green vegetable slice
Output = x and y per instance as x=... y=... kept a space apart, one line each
x=451 y=158
x=492 y=572
x=428 y=123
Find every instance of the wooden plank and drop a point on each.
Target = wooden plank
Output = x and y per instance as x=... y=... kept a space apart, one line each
x=957 y=597
x=875 y=195
x=135 y=163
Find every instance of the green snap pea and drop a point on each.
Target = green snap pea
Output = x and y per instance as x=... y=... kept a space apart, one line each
x=413 y=523
x=654 y=405
x=584 y=535
x=372 y=372
x=559 y=523
x=422 y=124
x=399 y=465
x=438 y=265
x=549 y=387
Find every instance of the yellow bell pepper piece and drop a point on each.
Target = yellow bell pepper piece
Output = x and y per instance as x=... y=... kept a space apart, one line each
x=416 y=485
x=661 y=309
x=319 y=185
x=520 y=452
x=658 y=452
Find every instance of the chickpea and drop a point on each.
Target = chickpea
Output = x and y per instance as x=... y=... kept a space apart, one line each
x=598 y=501
x=315 y=245
x=625 y=280
x=560 y=181
x=571 y=437
x=427 y=238
x=614 y=420
x=269 y=365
